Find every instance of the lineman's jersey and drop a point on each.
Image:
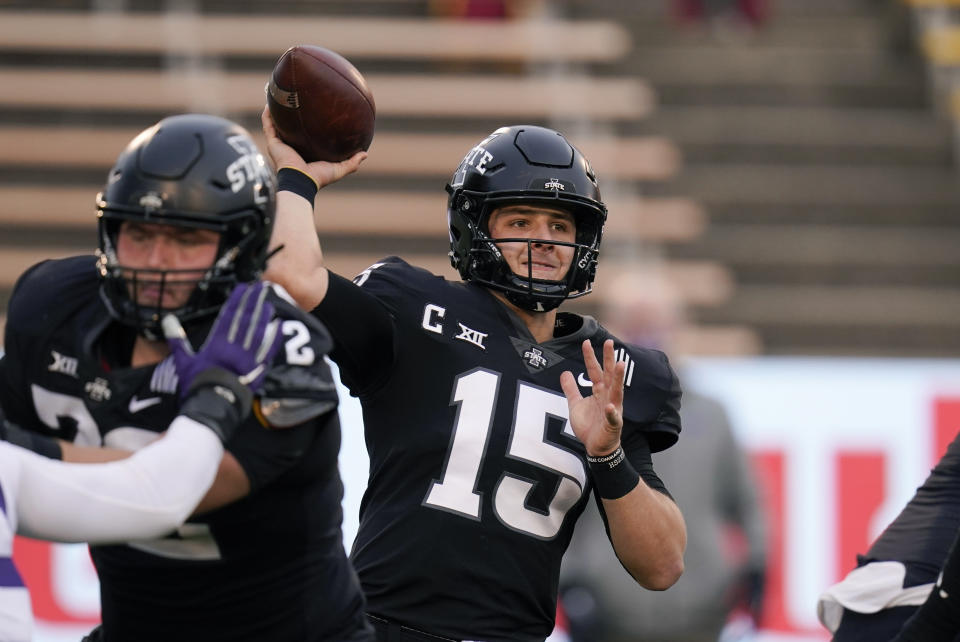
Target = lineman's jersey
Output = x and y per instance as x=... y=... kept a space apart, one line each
x=269 y=566
x=476 y=477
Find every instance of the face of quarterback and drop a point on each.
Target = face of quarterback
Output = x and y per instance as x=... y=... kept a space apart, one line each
x=145 y=250
x=543 y=260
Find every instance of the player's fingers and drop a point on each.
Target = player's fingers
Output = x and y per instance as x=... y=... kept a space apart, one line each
x=616 y=388
x=350 y=165
x=612 y=415
x=235 y=310
x=226 y=314
x=326 y=172
x=261 y=311
x=609 y=357
x=280 y=153
x=353 y=163
x=176 y=336
x=569 y=386
x=266 y=121
x=272 y=340
x=593 y=366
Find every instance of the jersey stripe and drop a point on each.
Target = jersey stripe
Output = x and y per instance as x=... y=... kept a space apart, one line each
x=9 y=577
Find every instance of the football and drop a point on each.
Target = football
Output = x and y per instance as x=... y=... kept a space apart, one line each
x=320 y=104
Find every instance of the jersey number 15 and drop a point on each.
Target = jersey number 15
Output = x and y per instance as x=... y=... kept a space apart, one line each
x=475 y=393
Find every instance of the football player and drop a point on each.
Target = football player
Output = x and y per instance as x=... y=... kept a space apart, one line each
x=152 y=492
x=490 y=416
x=900 y=571
x=185 y=215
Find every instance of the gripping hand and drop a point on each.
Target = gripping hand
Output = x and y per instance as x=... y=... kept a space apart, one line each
x=217 y=382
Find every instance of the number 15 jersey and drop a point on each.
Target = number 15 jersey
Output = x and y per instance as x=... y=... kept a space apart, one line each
x=476 y=477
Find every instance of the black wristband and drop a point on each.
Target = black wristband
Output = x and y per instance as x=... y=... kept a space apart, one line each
x=301 y=184
x=613 y=474
x=48 y=447
x=218 y=400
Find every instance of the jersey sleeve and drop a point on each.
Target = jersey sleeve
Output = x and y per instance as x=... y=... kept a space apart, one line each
x=362 y=317
x=397 y=284
x=651 y=403
x=298 y=386
x=364 y=349
x=13 y=393
x=41 y=295
x=145 y=495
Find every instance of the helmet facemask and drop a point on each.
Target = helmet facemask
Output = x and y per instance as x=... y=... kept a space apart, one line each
x=524 y=165
x=188 y=172
x=208 y=286
x=487 y=265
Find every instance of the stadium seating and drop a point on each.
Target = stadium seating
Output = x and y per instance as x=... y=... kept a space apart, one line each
x=87 y=80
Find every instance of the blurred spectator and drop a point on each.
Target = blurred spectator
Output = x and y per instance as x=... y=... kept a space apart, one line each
x=485 y=9
x=722 y=15
x=709 y=477
x=490 y=11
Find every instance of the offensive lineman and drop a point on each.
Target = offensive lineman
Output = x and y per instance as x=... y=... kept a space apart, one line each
x=186 y=214
x=153 y=491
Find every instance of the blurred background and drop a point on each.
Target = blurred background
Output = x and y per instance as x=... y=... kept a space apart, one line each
x=782 y=172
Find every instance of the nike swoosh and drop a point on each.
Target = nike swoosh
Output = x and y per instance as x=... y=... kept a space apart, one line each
x=583 y=381
x=136 y=405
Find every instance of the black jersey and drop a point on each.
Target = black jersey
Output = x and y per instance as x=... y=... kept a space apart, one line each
x=922 y=533
x=476 y=477
x=270 y=566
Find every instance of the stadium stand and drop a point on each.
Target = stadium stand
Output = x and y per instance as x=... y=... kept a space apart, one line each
x=827 y=174
x=87 y=79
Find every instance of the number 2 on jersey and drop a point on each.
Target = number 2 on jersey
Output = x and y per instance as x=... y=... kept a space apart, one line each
x=475 y=394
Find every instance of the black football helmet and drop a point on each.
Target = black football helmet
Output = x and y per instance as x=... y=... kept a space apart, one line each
x=194 y=171
x=527 y=165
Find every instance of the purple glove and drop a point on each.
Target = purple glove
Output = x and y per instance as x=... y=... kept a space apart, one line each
x=243 y=340
x=217 y=382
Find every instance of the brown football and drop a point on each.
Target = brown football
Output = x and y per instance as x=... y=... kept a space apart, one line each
x=320 y=104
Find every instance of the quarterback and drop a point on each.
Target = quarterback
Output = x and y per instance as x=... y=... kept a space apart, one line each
x=490 y=417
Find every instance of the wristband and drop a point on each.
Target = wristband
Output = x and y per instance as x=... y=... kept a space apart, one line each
x=300 y=183
x=613 y=474
x=218 y=400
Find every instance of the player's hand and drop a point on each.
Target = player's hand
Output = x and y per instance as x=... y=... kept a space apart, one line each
x=322 y=172
x=218 y=381
x=243 y=340
x=597 y=420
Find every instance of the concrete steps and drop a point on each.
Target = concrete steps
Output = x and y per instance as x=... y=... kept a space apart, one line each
x=827 y=178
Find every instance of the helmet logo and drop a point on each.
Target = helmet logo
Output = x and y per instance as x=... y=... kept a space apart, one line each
x=151 y=201
x=250 y=167
x=477 y=158
x=585 y=260
x=554 y=183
